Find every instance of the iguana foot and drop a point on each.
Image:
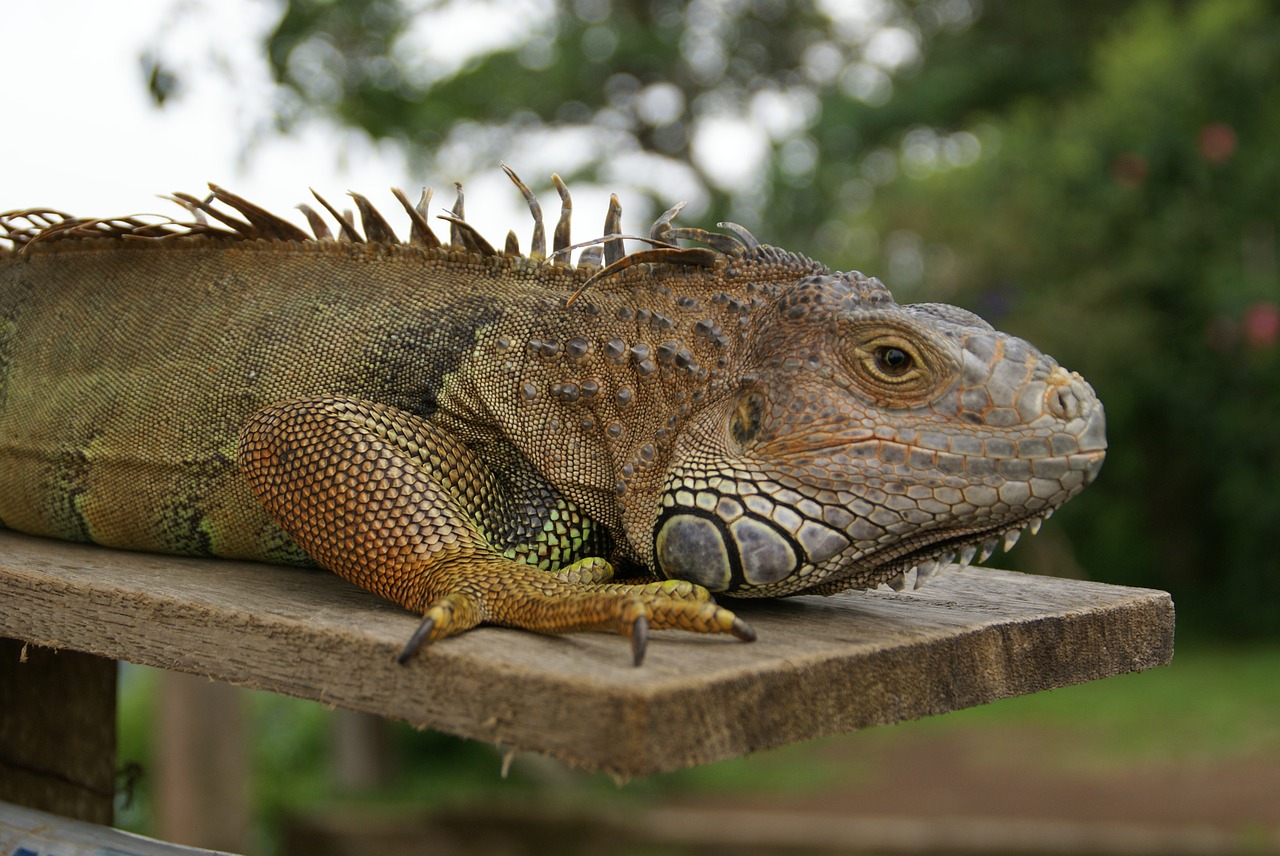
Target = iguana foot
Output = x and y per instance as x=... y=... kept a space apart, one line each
x=400 y=507
x=525 y=597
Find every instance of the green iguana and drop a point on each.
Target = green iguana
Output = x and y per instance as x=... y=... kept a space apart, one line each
x=482 y=436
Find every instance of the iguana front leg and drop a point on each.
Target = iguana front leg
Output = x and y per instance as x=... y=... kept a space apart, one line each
x=399 y=506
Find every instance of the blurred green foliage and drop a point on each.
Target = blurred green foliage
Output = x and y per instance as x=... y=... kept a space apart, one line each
x=1099 y=177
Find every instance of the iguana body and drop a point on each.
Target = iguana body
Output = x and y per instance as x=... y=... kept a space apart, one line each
x=452 y=428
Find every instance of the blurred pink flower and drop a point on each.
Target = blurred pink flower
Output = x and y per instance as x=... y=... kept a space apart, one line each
x=1217 y=142
x=1262 y=325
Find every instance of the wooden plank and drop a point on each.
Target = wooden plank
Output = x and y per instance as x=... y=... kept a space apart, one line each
x=821 y=666
x=57 y=729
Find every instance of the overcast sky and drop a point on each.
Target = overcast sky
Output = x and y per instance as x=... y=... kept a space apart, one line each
x=81 y=135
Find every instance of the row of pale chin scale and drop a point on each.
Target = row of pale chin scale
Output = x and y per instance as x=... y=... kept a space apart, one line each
x=966 y=555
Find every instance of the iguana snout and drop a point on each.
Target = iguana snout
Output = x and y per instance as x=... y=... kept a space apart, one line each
x=874 y=439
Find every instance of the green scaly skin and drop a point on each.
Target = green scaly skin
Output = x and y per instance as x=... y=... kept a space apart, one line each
x=484 y=436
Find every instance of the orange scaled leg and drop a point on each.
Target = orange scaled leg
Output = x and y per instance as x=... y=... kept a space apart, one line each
x=393 y=503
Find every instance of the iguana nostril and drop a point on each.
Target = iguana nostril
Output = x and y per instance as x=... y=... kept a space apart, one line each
x=1056 y=401
x=1067 y=396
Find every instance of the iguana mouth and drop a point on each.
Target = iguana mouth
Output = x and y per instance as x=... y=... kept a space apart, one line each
x=925 y=561
x=966 y=546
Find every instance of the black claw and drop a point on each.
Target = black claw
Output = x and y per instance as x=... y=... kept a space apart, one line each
x=742 y=630
x=415 y=641
x=639 y=639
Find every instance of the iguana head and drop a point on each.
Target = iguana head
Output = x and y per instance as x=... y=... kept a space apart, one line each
x=865 y=439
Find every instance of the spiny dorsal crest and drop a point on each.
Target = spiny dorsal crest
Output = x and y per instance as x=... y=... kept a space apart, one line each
x=606 y=255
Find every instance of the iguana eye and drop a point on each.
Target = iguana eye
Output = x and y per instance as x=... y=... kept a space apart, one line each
x=896 y=365
x=890 y=360
x=893 y=361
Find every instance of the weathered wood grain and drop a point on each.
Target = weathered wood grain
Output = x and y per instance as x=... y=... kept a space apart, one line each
x=57 y=730
x=821 y=665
